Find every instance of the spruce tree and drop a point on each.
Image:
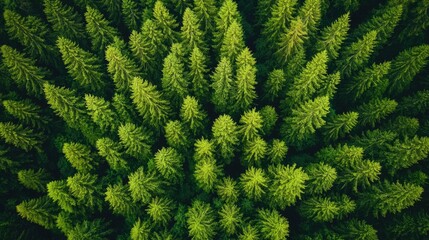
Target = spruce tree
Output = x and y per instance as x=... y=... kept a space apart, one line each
x=333 y=36
x=225 y=136
x=404 y=154
x=101 y=112
x=227 y=14
x=357 y=229
x=131 y=14
x=204 y=150
x=24 y=71
x=280 y=17
x=222 y=84
x=82 y=65
x=207 y=174
x=169 y=163
x=227 y=190
x=377 y=109
x=20 y=136
x=291 y=41
x=329 y=86
x=136 y=140
x=38 y=210
x=339 y=125
x=200 y=221
x=230 y=218
x=245 y=92
x=119 y=199
x=255 y=151
x=174 y=82
x=198 y=74
x=121 y=68
x=272 y=225
x=110 y=150
x=414 y=104
x=192 y=115
x=191 y=34
x=321 y=177
x=233 y=42
x=99 y=29
x=140 y=230
x=177 y=135
x=319 y=209
x=149 y=102
x=144 y=185
x=277 y=151
x=86 y=189
x=34 y=180
x=250 y=125
x=275 y=84
x=269 y=119
x=166 y=22
x=311 y=13
x=26 y=112
x=159 y=210
x=94 y=229
x=60 y=194
x=254 y=183
x=205 y=11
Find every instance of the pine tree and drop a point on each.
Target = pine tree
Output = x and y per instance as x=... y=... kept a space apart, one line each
x=191 y=34
x=291 y=41
x=166 y=22
x=269 y=119
x=339 y=125
x=207 y=173
x=205 y=12
x=159 y=210
x=143 y=186
x=110 y=150
x=131 y=14
x=59 y=193
x=404 y=154
x=389 y=197
x=412 y=226
x=249 y=233
x=321 y=177
x=414 y=104
x=333 y=36
x=200 y=221
x=101 y=112
x=99 y=29
x=233 y=42
x=227 y=14
x=198 y=74
x=174 y=82
x=230 y=218
x=272 y=225
x=177 y=135
x=277 y=151
x=310 y=79
x=20 y=136
x=149 y=102
x=369 y=78
x=343 y=156
x=250 y=125
x=34 y=180
x=254 y=151
x=374 y=141
x=254 y=183
x=357 y=54
x=79 y=156
x=26 y=112
x=357 y=229
x=121 y=68
x=140 y=230
x=376 y=110
x=306 y=118
x=83 y=66
x=169 y=164
x=86 y=189
x=192 y=115
x=225 y=136
x=404 y=126
x=136 y=140
x=227 y=190
x=362 y=173
x=275 y=84
x=39 y=211
x=319 y=209
x=245 y=81
x=24 y=71
x=64 y=20
x=204 y=150
x=311 y=13
x=281 y=15
x=119 y=199
x=95 y=229
x=287 y=185
x=329 y=86
x=222 y=83
x=405 y=67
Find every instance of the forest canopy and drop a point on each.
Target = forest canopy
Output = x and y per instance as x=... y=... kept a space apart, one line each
x=206 y=119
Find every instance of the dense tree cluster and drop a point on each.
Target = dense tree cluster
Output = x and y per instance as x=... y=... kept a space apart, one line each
x=205 y=119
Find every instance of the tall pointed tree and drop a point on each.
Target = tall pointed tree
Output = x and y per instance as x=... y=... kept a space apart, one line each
x=225 y=136
x=291 y=41
x=99 y=29
x=333 y=36
x=121 y=68
x=222 y=83
x=191 y=34
x=198 y=74
x=166 y=22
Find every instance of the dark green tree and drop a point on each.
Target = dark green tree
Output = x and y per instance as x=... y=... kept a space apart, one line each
x=20 y=136
x=272 y=225
x=144 y=185
x=225 y=136
x=99 y=29
x=26 y=112
x=333 y=36
x=136 y=140
x=34 y=180
x=200 y=221
x=222 y=85
x=38 y=210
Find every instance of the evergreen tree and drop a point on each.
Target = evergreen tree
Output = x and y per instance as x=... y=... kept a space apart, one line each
x=319 y=209
x=120 y=200
x=275 y=84
x=245 y=81
x=86 y=189
x=83 y=66
x=413 y=226
x=131 y=14
x=149 y=102
x=310 y=79
x=333 y=36
x=269 y=119
x=191 y=34
x=26 y=112
x=404 y=154
x=227 y=190
x=272 y=225
x=174 y=82
x=176 y=135
x=343 y=156
x=205 y=12
x=23 y=70
x=143 y=186
x=250 y=125
x=357 y=229
x=64 y=20
x=59 y=193
x=79 y=156
x=306 y=118
x=169 y=164
x=99 y=29
x=281 y=15
x=121 y=68
x=254 y=183
x=227 y=14
x=389 y=197
x=230 y=218
x=159 y=210
x=277 y=151
x=192 y=115
x=255 y=151
x=225 y=136
x=357 y=54
x=233 y=42
x=329 y=86
x=39 y=211
x=166 y=22
x=377 y=109
x=207 y=174
x=101 y=112
x=404 y=126
x=140 y=230
x=110 y=150
x=222 y=84
x=204 y=150
x=311 y=13
x=136 y=140
x=201 y=221
x=321 y=177
x=287 y=185
x=414 y=104
x=96 y=229
x=197 y=74
x=34 y=180
x=291 y=41
x=362 y=173
x=20 y=136
x=340 y=125
x=405 y=67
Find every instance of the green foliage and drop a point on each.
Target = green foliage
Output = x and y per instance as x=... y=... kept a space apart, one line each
x=277 y=151
x=26 y=112
x=227 y=14
x=227 y=190
x=200 y=221
x=272 y=225
x=192 y=114
x=230 y=218
x=143 y=185
x=20 y=136
x=222 y=85
x=275 y=84
x=291 y=41
x=254 y=183
x=122 y=69
x=281 y=14
x=120 y=199
x=34 y=180
x=207 y=173
x=99 y=29
x=159 y=210
x=79 y=156
x=191 y=34
x=130 y=13
x=255 y=151
x=110 y=150
x=233 y=42
x=205 y=11
x=85 y=189
x=176 y=135
x=197 y=74
x=58 y=191
x=376 y=110
x=136 y=140
x=321 y=177
x=101 y=112
x=362 y=173
x=250 y=125
x=340 y=125
x=96 y=229
x=169 y=163
x=357 y=229
x=140 y=230
x=245 y=92
x=404 y=154
x=165 y=21
x=39 y=211
x=333 y=36
x=174 y=82
x=269 y=119
x=225 y=136
x=319 y=209
x=310 y=13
